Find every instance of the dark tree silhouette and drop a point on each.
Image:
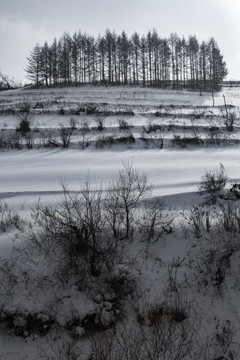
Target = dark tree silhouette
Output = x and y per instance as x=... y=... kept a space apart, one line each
x=118 y=59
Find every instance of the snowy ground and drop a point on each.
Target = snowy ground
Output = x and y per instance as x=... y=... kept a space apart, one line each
x=175 y=173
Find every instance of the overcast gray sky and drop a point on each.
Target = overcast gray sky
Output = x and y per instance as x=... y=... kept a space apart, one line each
x=23 y=23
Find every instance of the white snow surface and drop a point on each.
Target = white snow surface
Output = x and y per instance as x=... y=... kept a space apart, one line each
x=39 y=172
x=29 y=175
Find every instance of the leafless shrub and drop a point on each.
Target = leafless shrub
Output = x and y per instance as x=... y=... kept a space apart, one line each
x=211 y=264
x=123 y=125
x=227 y=225
x=24 y=107
x=212 y=182
x=155 y=221
x=7 y=109
x=199 y=219
x=130 y=343
x=75 y=109
x=224 y=339
x=99 y=119
x=110 y=140
x=229 y=217
x=43 y=107
x=83 y=231
x=77 y=232
x=170 y=339
x=175 y=298
x=8 y=217
x=187 y=140
x=24 y=117
x=126 y=138
x=102 y=346
x=66 y=133
x=159 y=336
x=91 y=108
x=126 y=190
x=104 y=140
x=84 y=126
x=63 y=347
x=168 y=329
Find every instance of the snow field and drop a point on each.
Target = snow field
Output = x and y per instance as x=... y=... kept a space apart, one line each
x=173 y=276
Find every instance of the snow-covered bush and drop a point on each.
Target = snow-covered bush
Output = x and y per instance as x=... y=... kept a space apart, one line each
x=73 y=253
x=213 y=182
x=76 y=234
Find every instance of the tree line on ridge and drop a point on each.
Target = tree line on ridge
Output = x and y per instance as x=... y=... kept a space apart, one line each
x=113 y=59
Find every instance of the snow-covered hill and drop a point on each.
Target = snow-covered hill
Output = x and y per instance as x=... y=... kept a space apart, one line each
x=173 y=298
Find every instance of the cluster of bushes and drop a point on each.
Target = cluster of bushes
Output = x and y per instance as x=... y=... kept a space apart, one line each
x=81 y=242
x=108 y=140
x=28 y=137
x=187 y=140
x=82 y=245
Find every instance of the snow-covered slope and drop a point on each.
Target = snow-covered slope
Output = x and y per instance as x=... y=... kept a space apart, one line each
x=185 y=285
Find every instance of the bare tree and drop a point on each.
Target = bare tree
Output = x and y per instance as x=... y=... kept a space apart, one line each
x=66 y=133
x=126 y=190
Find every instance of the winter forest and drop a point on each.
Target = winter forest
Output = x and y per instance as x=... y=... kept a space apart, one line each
x=114 y=59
